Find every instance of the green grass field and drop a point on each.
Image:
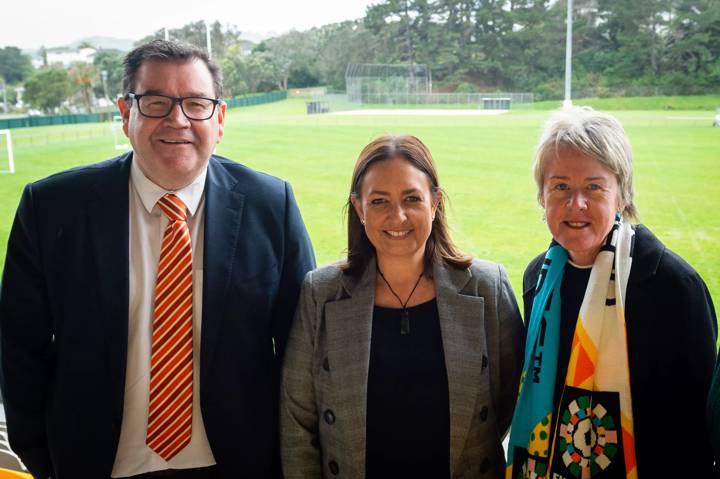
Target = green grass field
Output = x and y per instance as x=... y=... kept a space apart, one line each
x=484 y=165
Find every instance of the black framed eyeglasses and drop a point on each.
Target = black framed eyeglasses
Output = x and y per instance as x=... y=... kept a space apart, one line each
x=160 y=106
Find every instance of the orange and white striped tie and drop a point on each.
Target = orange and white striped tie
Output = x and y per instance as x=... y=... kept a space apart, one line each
x=171 y=363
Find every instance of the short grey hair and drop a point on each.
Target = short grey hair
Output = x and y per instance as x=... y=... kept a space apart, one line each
x=594 y=134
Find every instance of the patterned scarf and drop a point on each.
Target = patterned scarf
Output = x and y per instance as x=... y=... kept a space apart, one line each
x=593 y=420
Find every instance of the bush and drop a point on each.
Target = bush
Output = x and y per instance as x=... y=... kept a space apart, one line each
x=552 y=90
x=466 y=87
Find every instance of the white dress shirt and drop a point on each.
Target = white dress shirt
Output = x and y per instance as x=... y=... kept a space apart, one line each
x=147 y=226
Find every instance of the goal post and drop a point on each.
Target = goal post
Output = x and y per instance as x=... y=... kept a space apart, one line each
x=11 y=161
x=118 y=136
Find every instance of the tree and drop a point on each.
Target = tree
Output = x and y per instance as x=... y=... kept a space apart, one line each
x=111 y=62
x=234 y=72
x=43 y=55
x=518 y=45
x=14 y=65
x=535 y=48
x=694 y=44
x=392 y=25
x=48 y=89
x=260 y=73
x=84 y=75
x=294 y=54
x=340 y=44
x=634 y=30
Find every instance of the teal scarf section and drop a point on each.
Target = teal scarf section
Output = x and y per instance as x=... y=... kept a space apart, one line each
x=529 y=446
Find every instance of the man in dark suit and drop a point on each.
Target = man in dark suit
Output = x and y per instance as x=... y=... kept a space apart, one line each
x=146 y=300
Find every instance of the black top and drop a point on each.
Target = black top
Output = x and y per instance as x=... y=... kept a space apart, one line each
x=572 y=292
x=671 y=332
x=408 y=411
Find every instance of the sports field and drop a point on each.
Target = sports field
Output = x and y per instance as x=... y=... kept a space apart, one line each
x=484 y=164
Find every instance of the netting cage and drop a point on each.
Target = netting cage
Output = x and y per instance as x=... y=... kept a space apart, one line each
x=382 y=83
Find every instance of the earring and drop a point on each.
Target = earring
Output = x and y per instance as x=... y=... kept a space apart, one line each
x=362 y=220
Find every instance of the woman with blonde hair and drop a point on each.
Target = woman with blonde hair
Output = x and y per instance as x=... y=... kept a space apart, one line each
x=621 y=331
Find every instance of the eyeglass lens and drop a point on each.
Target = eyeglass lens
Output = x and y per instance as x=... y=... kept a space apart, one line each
x=194 y=108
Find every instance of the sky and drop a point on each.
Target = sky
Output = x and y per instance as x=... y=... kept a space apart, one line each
x=58 y=22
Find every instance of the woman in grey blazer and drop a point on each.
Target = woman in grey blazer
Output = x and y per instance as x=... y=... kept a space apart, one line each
x=404 y=359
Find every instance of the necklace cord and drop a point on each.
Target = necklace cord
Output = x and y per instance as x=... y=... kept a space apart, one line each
x=404 y=305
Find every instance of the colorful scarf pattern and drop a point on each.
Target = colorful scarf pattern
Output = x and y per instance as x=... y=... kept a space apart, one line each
x=593 y=421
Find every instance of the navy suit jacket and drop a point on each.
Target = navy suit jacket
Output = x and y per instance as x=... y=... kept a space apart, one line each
x=64 y=317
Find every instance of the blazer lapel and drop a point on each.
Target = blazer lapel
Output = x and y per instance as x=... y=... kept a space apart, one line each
x=349 y=331
x=223 y=211
x=109 y=251
x=461 y=326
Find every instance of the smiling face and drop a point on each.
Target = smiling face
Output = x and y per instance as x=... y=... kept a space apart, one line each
x=581 y=198
x=172 y=151
x=397 y=206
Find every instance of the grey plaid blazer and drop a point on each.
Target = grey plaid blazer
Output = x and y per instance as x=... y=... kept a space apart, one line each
x=327 y=360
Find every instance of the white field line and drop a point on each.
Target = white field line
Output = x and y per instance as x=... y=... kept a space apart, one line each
x=693 y=237
x=686 y=224
x=704 y=118
x=418 y=112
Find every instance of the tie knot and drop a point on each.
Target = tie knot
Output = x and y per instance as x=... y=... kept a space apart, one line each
x=173 y=207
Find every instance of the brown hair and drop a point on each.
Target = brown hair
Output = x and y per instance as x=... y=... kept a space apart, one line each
x=167 y=51
x=439 y=245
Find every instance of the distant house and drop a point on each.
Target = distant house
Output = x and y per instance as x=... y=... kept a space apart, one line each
x=66 y=56
x=246 y=47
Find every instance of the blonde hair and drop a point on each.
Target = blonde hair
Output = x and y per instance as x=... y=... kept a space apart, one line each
x=594 y=134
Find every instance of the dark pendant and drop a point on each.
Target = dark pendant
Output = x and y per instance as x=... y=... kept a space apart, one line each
x=404 y=323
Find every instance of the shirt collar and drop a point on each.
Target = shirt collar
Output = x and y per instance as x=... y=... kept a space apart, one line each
x=150 y=193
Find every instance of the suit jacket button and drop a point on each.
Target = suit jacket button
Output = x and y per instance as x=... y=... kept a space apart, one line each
x=334 y=468
x=485 y=465
x=326 y=364
x=484 y=413
x=329 y=416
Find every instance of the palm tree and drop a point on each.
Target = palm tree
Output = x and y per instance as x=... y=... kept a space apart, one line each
x=84 y=76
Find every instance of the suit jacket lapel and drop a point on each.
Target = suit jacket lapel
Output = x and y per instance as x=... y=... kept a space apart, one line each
x=223 y=211
x=461 y=325
x=109 y=253
x=349 y=331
